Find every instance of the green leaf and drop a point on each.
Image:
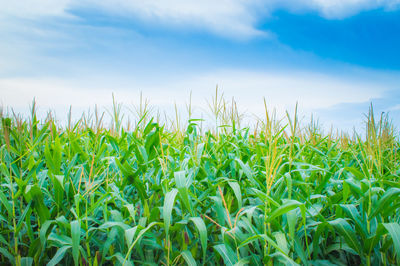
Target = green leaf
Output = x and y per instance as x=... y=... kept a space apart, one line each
x=289 y=261
x=130 y=234
x=320 y=230
x=181 y=184
x=345 y=230
x=201 y=227
x=22 y=217
x=291 y=218
x=7 y=255
x=188 y=257
x=26 y=261
x=169 y=201
x=121 y=259
x=298 y=247
x=236 y=189
x=141 y=233
x=388 y=197
x=35 y=194
x=371 y=242
x=60 y=179
x=180 y=179
x=6 y=204
x=76 y=239
x=227 y=254
x=249 y=174
x=58 y=256
x=43 y=232
x=130 y=174
x=285 y=208
x=111 y=238
x=354 y=214
x=243 y=262
x=281 y=241
x=357 y=173
x=107 y=225
x=394 y=232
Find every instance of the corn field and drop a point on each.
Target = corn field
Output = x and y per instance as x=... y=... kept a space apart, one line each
x=151 y=194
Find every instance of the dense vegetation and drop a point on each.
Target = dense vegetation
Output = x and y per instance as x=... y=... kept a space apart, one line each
x=275 y=194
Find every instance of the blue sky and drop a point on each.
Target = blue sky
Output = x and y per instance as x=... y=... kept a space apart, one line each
x=333 y=57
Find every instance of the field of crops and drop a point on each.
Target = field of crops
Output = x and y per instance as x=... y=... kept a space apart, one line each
x=280 y=193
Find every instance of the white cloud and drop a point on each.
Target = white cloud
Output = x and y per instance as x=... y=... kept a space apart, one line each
x=29 y=9
x=232 y=18
x=337 y=9
x=235 y=18
x=313 y=91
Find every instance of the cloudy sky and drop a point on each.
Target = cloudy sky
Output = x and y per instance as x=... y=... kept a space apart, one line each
x=333 y=57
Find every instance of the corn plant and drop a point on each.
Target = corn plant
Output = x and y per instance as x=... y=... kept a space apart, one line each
x=279 y=194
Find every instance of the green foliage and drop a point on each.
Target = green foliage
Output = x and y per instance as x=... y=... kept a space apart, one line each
x=87 y=195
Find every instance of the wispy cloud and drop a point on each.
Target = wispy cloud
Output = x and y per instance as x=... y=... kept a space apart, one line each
x=230 y=18
x=31 y=9
x=338 y=9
